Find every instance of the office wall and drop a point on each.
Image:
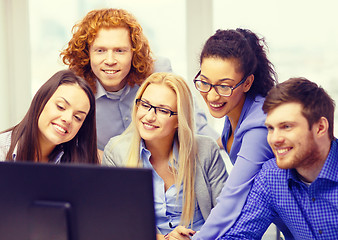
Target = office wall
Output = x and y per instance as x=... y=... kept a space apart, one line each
x=3 y=73
x=15 y=77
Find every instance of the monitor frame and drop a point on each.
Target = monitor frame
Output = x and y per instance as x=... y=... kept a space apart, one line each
x=75 y=202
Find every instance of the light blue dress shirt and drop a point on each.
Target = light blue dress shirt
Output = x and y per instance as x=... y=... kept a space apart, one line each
x=309 y=211
x=113 y=112
x=210 y=175
x=249 y=151
x=168 y=208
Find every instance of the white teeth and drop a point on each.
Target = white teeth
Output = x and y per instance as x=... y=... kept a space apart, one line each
x=148 y=125
x=280 y=151
x=110 y=71
x=60 y=128
x=216 y=105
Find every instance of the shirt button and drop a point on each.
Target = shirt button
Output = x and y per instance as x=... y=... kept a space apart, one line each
x=126 y=119
x=313 y=199
x=320 y=231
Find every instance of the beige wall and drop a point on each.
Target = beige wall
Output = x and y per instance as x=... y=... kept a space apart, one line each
x=15 y=77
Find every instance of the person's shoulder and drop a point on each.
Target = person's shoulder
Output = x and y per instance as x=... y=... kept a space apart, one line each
x=118 y=142
x=259 y=99
x=5 y=138
x=270 y=170
x=256 y=107
x=270 y=164
x=5 y=143
x=334 y=145
x=207 y=150
x=162 y=64
x=254 y=116
x=116 y=150
x=204 y=141
x=272 y=181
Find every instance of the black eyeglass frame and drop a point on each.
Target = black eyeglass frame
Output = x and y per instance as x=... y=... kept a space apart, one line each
x=155 y=108
x=216 y=85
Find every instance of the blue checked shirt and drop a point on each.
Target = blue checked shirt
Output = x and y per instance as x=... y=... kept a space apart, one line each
x=310 y=212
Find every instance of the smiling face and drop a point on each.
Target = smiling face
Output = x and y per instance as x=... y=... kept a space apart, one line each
x=110 y=57
x=156 y=127
x=63 y=115
x=289 y=136
x=223 y=72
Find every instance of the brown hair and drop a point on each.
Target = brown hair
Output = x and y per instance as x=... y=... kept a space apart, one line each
x=76 y=55
x=82 y=148
x=314 y=99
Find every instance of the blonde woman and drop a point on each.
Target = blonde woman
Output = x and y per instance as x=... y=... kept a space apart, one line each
x=188 y=170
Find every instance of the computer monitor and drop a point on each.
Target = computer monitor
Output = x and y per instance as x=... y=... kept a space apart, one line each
x=75 y=202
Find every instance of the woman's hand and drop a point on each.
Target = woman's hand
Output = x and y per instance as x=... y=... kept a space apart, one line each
x=180 y=233
x=160 y=237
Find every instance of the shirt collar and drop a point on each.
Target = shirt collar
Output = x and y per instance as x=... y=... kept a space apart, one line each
x=329 y=170
x=100 y=91
x=58 y=158
x=175 y=152
x=249 y=100
x=292 y=175
x=145 y=154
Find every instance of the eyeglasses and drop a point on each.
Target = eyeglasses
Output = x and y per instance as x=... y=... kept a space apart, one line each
x=159 y=111
x=222 y=90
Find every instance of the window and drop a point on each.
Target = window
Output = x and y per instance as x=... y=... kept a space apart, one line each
x=163 y=22
x=302 y=35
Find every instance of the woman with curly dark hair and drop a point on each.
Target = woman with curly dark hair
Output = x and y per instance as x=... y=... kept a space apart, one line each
x=234 y=79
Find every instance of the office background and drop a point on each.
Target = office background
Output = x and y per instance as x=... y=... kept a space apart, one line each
x=302 y=36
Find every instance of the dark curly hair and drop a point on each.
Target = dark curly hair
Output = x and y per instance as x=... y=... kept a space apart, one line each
x=76 y=55
x=250 y=52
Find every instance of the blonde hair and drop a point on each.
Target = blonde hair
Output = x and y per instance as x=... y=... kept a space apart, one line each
x=185 y=135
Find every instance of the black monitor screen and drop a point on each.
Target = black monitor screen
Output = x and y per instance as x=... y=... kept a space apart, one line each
x=75 y=202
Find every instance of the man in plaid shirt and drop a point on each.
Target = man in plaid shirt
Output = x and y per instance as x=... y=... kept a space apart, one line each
x=300 y=186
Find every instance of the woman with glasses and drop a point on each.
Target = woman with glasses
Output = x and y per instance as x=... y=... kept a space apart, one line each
x=188 y=170
x=235 y=77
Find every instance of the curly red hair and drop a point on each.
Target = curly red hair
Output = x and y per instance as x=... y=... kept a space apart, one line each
x=76 y=55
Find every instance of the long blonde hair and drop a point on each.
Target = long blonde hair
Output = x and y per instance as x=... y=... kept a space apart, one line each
x=185 y=136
